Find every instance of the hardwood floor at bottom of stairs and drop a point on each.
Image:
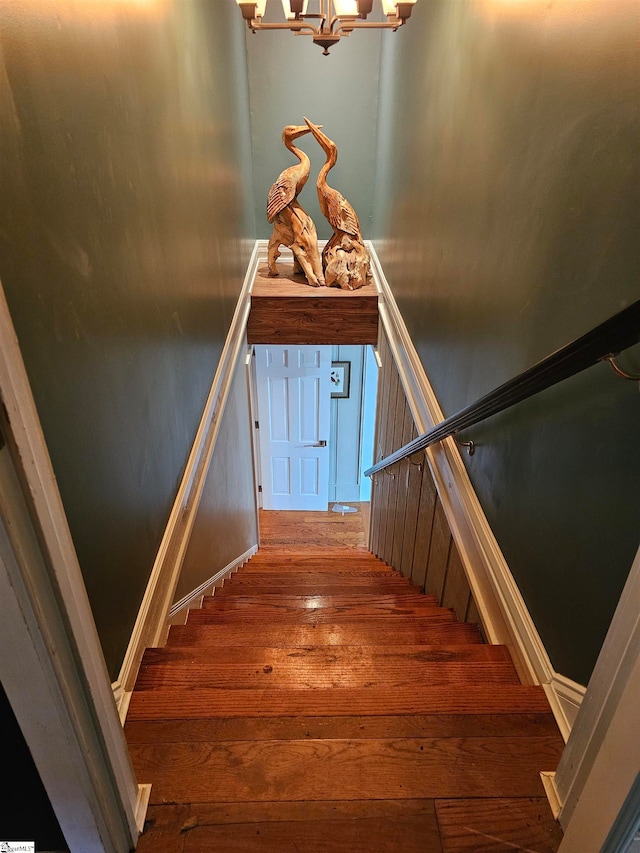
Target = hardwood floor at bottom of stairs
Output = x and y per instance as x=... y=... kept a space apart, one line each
x=480 y=825
x=308 y=827
x=472 y=826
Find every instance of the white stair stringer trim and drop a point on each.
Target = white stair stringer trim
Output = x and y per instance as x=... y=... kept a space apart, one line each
x=504 y=614
x=207 y=588
x=150 y=626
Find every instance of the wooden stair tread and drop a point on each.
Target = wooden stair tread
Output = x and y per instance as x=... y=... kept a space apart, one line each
x=339 y=567
x=313 y=562
x=319 y=602
x=319 y=589
x=322 y=586
x=389 y=768
x=374 y=617
x=176 y=703
x=326 y=656
x=346 y=579
x=324 y=667
x=285 y=550
x=295 y=636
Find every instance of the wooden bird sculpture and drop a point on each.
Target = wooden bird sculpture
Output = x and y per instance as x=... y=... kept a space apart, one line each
x=292 y=226
x=345 y=258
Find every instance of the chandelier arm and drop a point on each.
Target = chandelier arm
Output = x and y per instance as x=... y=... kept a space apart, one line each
x=308 y=29
x=368 y=25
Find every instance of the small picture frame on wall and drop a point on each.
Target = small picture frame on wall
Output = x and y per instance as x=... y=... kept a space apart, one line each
x=340 y=377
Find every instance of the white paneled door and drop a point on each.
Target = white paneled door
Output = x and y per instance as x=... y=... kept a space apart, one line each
x=294 y=394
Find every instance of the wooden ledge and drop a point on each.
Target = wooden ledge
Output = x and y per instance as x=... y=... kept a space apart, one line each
x=286 y=310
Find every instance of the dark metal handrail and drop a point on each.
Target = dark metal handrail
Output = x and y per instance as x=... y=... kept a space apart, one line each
x=604 y=341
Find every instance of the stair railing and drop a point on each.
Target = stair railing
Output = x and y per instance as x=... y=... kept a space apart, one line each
x=602 y=343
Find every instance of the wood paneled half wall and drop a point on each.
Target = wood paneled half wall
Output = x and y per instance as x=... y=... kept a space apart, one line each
x=409 y=529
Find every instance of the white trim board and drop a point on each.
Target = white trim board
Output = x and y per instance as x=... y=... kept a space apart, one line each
x=600 y=764
x=503 y=612
x=150 y=626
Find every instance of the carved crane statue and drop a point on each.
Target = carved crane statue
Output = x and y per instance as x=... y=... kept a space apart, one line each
x=345 y=258
x=292 y=226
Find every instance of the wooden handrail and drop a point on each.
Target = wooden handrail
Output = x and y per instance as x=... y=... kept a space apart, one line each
x=608 y=339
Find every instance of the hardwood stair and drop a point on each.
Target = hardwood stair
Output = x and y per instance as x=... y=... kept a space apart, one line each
x=319 y=702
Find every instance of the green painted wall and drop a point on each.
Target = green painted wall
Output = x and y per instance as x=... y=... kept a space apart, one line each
x=125 y=184
x=289 y=77
x=507 y=219
x=226 y=523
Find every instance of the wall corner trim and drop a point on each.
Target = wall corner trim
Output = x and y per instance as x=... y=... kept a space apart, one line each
x=65 y=707
x=150 y=625
x=502 y=609
x=603 y=755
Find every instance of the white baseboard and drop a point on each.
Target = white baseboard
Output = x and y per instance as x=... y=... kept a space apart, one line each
x=150 y=625
x=504 y=614
x=142 y=804
x=549 y=783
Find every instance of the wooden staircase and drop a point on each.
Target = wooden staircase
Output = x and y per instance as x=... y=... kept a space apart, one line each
x=318 y=702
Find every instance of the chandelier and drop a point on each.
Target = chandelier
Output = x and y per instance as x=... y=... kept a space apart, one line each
x=332 y=20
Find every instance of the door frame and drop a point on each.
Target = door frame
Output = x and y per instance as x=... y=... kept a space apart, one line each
x=255 y=434
x=600 y=756
x=65 y=708
x=258 y=422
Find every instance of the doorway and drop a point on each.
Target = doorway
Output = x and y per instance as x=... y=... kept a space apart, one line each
x=314 y=416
